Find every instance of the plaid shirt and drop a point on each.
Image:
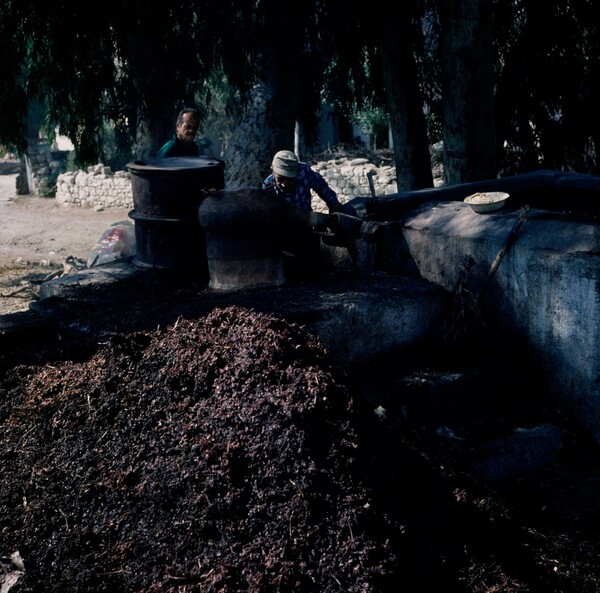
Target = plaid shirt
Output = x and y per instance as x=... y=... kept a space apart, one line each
x=307 y=180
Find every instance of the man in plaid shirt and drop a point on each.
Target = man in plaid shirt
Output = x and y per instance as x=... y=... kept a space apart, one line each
x=294 y=180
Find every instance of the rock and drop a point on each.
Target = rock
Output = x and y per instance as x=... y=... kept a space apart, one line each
x=524 y=450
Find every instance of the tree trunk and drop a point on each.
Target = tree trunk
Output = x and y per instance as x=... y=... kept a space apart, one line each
x=157 y=126
x=36 y=113
x=268 y=121
x=513 y=90
x=249 y=150
x=467 y=89
x=405 y=103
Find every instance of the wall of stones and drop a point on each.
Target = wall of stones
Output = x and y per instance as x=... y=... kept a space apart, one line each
x=46 y=165
x=348 y=178
x=98 y=187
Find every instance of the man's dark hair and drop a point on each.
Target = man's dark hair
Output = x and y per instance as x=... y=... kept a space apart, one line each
x=187 y=110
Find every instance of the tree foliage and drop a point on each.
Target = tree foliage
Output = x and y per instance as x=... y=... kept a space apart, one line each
x=546 y=97
x=133 y=64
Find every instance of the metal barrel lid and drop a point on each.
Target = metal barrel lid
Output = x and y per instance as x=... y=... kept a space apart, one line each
x=174 y=164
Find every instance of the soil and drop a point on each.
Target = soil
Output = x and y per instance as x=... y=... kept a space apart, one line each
x=226 y=451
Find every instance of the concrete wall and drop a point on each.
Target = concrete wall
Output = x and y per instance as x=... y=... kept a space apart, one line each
x=546 y=289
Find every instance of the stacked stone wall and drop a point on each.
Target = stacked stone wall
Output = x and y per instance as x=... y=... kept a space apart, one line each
x=46 y=166
x=348 y=178
x=100 y=188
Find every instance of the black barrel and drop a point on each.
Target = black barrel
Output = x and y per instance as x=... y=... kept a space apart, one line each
x=243 y=230
x=166 y=196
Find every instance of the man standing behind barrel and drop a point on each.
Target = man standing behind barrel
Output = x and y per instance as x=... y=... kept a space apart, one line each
x=184 y=141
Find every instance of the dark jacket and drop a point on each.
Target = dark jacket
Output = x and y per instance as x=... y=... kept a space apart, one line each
x=176 y=147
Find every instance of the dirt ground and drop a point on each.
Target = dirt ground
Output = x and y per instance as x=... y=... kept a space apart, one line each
x=37 y=236
x=226 y=453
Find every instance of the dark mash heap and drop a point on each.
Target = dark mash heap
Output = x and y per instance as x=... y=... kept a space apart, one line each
x=227 y=454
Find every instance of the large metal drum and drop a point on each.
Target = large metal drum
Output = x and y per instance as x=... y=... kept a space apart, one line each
x=166 y=196
x=243 y=230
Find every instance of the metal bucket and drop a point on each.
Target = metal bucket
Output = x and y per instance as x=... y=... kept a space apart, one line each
x=243 y=230
x=166 y=196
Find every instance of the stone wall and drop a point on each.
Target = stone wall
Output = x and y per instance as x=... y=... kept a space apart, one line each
x=100 y=188
x=348 y=178
x=46 y=165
